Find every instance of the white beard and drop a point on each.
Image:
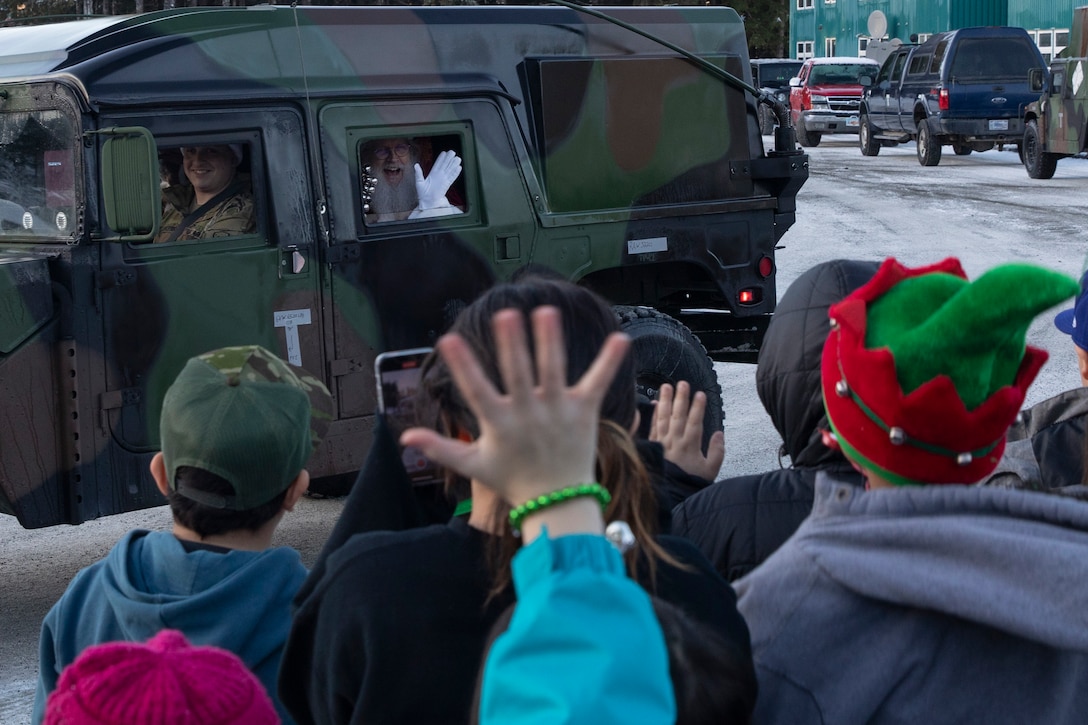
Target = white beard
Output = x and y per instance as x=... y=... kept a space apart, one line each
x=392 y=203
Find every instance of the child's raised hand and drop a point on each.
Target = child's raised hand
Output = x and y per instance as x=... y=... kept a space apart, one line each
x=541 y=435
x=678 y=426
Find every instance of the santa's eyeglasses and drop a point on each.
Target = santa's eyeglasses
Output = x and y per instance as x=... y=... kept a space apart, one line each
x=383 y=152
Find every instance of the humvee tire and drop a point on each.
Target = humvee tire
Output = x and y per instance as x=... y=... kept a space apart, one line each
x=666 y=351
x=1039 y=164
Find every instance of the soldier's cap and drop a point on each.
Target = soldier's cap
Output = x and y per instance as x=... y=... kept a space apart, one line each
x=247 y=416
x=1074 y=321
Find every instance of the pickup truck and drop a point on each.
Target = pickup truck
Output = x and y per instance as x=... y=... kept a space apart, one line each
x=965 y=88
x=825 y=94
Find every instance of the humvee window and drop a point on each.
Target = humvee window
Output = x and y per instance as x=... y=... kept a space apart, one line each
x=387 y=180
x=37 y=176
x=1057 y=83
x=207 y=191
x=608 y=152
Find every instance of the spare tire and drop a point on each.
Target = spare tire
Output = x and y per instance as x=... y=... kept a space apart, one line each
x=666 y=351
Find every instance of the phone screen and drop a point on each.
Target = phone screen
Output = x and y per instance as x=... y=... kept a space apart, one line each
x=399 y=375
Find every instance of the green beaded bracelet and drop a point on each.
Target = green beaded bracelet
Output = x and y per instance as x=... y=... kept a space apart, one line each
x=532 y=506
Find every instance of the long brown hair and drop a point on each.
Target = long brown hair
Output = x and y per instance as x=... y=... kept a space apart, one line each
x=587 y=320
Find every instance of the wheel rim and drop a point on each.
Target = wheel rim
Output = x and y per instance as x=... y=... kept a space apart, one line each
x=864 y=131
x=649 y=385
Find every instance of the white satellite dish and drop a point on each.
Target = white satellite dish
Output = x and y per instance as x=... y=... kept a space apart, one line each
x=878 y=24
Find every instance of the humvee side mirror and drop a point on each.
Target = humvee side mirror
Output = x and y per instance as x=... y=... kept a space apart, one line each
x=1035 y=79
x=131 y=191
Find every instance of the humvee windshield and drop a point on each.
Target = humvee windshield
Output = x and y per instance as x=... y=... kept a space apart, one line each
x=37 y=176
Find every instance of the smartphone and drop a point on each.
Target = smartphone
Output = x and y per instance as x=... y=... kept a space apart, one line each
x=399 y=375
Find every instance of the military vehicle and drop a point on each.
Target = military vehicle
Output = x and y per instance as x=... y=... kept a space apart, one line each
x=618 y=149
x=1056 y=125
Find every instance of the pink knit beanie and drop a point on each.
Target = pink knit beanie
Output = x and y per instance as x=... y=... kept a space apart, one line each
x=164 y=682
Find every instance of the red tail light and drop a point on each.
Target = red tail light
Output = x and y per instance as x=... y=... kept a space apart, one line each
x=942 y=99
x=766 y=267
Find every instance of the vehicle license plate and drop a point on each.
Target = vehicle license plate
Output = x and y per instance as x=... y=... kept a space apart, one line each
x=853 y=121
x=1000 y=124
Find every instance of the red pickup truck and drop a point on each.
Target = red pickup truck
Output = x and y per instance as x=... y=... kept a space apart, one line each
x=825 y=95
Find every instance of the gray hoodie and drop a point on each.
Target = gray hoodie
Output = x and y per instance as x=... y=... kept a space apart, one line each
x=924 y=604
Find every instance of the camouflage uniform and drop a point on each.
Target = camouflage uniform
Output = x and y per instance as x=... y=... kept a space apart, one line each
x=232 y=217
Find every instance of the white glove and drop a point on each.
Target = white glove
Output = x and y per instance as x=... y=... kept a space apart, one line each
x=432 y=189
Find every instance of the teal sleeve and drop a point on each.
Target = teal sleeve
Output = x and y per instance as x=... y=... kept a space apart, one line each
x=583 y=646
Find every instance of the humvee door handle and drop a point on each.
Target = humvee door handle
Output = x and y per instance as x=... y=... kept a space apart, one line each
x=292 y=262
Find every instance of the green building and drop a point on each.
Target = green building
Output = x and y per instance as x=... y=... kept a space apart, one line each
x=846 y=27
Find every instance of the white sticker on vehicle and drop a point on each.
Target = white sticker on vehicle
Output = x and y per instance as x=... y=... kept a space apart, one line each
x=290 y=320
x=643 y=246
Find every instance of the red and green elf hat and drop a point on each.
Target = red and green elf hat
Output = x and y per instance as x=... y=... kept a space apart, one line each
x=924 y=372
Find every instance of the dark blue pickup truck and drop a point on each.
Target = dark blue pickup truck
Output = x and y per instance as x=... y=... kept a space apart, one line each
x=963 y=88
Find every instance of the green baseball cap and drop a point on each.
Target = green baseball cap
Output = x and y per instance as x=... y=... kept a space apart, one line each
x=247 y=416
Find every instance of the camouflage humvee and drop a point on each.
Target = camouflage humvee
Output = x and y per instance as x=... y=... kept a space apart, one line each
x=1056 y=126
x=621 y=155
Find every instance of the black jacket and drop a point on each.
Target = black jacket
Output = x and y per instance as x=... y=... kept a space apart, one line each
x=390 y=625
x=739 y=522
x=672 y=484
x=1045 y=449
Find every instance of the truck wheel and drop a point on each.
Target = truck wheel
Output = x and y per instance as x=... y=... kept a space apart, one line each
x=766 y=120
x=666 y=351
x=1039 y=164
x=929 y=151
x=869 y=145
x=962 y=149
x=807 y=138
